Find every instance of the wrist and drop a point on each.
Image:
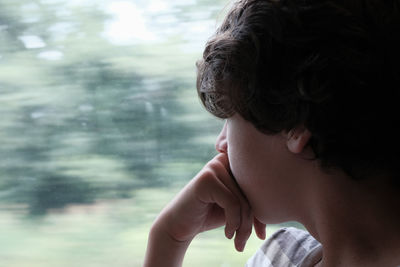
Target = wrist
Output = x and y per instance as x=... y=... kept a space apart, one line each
x=159 y=230
x=163 y=249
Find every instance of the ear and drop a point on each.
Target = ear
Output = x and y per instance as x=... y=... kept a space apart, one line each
x=297 y=139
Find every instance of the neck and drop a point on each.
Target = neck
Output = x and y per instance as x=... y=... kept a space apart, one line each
x=356 y=222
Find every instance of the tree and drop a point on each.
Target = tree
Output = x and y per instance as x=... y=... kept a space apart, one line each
x=84 y=119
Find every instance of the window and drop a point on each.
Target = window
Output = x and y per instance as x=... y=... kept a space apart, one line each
x=100 y=126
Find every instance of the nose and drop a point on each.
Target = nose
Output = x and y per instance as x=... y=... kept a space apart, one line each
x=221 y=145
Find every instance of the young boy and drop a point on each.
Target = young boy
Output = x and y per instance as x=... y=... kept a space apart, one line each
x=310 y=91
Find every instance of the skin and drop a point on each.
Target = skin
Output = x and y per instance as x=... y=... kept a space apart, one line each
x=210 y=200
x=258 y=179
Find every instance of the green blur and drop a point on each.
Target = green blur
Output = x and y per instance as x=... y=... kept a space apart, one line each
x=96 y=136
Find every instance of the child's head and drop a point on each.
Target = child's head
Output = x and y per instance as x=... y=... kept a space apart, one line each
x=330 y=66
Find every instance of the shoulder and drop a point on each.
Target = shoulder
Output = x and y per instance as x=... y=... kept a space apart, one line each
x=286 y=247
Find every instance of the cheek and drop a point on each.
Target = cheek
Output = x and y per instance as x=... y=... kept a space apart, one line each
x=257 y=174
x=248 y=173
x=253 y=188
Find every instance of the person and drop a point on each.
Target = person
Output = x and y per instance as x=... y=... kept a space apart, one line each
x=310 y=91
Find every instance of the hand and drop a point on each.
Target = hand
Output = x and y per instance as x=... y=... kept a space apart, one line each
x=210 y=200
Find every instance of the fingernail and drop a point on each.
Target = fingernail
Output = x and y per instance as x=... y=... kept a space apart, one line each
x=240 y=246
x=263 y=236
x=229 y=234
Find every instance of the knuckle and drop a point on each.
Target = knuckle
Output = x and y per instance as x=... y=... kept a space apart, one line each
x=234 y=222
x=214 y=164
x=204 y=182
x=207 y=174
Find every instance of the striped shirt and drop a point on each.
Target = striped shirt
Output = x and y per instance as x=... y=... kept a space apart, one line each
x=288 y=247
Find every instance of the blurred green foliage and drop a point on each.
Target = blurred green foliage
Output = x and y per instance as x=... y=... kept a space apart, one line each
x=98 y=133
x=83 y=118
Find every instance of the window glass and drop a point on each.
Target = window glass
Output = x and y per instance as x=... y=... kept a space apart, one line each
x=100 y=126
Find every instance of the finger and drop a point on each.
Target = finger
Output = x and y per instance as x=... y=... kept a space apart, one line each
x=219 y=166
x=259 y=227
x=212 y=190
x=244 y=231
x=223 y=159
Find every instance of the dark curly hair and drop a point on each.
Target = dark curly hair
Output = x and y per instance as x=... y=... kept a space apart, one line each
x=331 y=66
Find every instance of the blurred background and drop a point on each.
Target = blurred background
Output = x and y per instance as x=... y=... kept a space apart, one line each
x=100 y=126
